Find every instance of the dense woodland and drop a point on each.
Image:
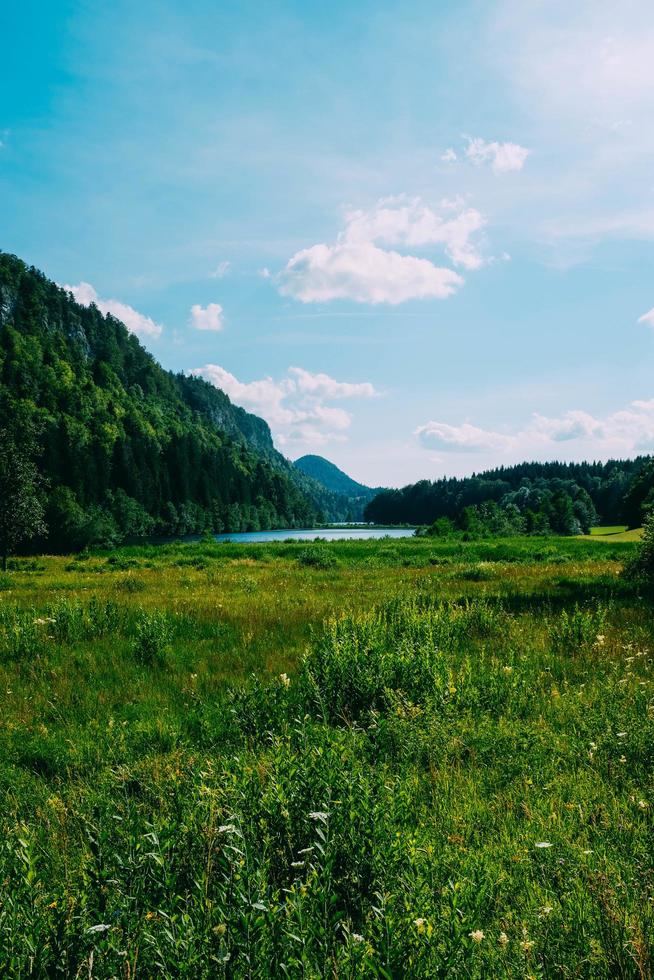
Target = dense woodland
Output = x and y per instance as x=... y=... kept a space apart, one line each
x=530 y=498
x=125 y=448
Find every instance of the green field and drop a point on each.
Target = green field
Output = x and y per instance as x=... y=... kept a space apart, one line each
x=357 y=759
x=619 y=532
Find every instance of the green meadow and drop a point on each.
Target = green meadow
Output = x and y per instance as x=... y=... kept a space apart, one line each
x=406 y=758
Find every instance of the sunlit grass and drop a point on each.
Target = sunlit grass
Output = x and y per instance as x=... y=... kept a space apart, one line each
x=389 y=759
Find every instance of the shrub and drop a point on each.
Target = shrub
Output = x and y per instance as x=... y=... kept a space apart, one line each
x=316 y=557
x=152 y=638
x=577 y=631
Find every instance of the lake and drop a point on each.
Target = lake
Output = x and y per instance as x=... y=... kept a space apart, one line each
x=328 y=533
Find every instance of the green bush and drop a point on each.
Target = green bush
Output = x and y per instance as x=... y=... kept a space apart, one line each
x=316 y=556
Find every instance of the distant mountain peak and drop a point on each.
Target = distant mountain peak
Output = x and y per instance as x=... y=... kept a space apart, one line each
x=333 y=478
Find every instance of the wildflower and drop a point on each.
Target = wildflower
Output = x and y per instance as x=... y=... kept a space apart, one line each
x=319 y=815
x=623 y=758
x=220 y=930
x=546 y=909
x=285 y=679
x=527 y=945
x=227 y=828
x=542 y=843
x=357 y=937
x=150 y=915
x=643 y=804
x=52 y=905
x=507 y=670
x=600 y=639
x=503 y=939
x=476 y=935
x=420 y=924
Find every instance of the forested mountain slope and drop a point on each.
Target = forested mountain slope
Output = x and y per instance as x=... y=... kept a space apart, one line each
x=336 y=493
x=332 y=477
x=127 y=448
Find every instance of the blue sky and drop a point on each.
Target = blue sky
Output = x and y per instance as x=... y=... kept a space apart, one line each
x=416 y=237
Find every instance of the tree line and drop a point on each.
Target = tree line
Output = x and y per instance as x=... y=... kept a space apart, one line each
x=529 y=498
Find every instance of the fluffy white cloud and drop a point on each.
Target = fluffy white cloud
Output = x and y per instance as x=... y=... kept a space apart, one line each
x=365 y=265
x=464 y=438
x=449 y=156
x=621 y=433
x=647 y=318
x=135 y=322
x=296 y=407
x=572 y=425
x=207 y=317
x=264 y=397
x=407 y=221
x=365 y=274
x=502 y=157
x=322 y=386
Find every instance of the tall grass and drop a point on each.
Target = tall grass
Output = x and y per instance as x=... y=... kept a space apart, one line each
x=441 y=781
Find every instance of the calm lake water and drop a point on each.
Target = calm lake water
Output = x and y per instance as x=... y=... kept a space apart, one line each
x=328 y=533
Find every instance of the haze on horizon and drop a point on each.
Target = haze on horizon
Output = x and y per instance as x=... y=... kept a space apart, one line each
x=418 y=242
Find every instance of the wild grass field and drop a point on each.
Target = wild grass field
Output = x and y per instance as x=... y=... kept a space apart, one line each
x=362 y=759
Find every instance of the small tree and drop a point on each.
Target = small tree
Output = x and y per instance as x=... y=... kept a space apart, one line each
x=21 y=501
x=641 y=567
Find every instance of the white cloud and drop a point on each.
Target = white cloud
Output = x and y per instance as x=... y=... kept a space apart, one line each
x=135 y=322
x=622 y=433
x=647 y=318
x=449 y=156
x=572 y=425
x=222 y=269
x=322 y=386
x=263 y=397
x=365 y=274
x=463 y=438
x=296 y=407
x=407 y=221
x=502 y=157
x=358 y=268
x=207 y=317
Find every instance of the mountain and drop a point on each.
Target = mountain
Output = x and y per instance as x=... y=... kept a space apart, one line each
x=342 y=498
x=126 y=447
x=332 y=478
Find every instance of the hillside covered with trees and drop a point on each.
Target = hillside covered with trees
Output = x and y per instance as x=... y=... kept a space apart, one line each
x=123 y=447
x=531 y=498
x=340 y=496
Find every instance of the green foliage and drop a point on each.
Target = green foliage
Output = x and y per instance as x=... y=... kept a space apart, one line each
x=128 y=448
x=536 y=498
x=451 y=778
x=316 y=557
x=152 y=638
x=641 y=567
x=21 y=488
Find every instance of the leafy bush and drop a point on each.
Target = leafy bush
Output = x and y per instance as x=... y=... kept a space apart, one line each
x=152 y=638
x=316 y=556
x=578 y=630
